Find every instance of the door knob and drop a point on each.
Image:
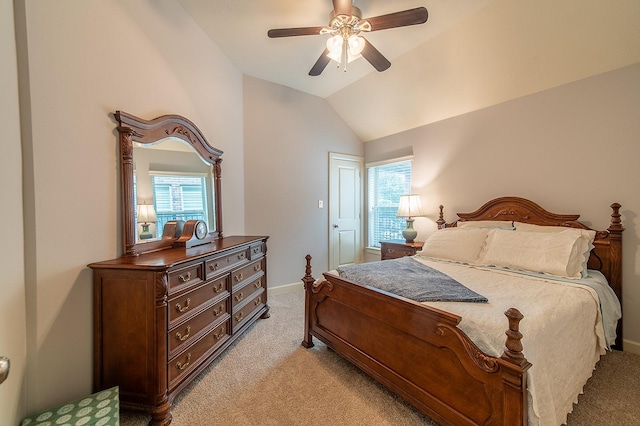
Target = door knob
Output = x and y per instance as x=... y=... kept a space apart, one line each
x=335 y=225
x=4 y=368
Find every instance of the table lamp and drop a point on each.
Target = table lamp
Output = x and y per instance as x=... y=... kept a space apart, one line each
x=410 y=208
x=146 y=214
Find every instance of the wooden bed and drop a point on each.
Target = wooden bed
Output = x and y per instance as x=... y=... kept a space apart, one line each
x=434 y=365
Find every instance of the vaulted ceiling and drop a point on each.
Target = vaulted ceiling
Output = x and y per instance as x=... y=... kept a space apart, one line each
x=470 y=54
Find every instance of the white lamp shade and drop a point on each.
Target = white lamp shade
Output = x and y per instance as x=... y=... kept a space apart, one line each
x=410 y=206
x=334 y=45
x=146 y=213
x=356 y=44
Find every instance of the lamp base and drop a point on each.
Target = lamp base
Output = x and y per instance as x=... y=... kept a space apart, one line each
x=145 y=234
x=409 y=233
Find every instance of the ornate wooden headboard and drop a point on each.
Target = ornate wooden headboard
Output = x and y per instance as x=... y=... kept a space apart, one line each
x=606 y=256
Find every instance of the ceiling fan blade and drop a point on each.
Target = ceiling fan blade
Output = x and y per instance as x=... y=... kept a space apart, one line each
x=291 y=32
x=342 y=7
x=374 y=57
x=320 y=64
x=419 y=15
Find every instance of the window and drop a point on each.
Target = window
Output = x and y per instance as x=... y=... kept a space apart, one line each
x=179 y=197
x=386 y=183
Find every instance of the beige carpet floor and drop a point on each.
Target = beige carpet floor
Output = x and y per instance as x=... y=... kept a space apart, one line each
x=267 y=378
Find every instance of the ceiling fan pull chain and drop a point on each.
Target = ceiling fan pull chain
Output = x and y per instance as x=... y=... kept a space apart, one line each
x=345 y=53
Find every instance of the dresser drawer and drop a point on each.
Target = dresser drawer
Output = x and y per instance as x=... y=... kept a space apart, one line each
x=187 y=304
x=246 y=272
x=191 y=358
x=257 y=251
x=243 y=312
x=247 y=290
x=218 y=264
x=184 y=334
x=186 y=276
x=219 y=285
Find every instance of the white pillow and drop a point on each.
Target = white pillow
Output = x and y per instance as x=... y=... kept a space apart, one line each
x=588 y=236
x=505 y=224
x=456 y=244
x=555 y=253
x=585 y=233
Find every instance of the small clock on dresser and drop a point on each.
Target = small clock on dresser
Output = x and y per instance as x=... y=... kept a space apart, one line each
x=194 y=233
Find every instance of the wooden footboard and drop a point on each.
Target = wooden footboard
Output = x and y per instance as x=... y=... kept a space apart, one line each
x=418 y=352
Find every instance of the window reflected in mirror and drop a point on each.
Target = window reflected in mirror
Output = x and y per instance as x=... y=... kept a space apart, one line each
x=175 y=182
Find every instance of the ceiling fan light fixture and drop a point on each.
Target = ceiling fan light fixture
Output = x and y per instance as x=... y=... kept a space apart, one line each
x=336 y=47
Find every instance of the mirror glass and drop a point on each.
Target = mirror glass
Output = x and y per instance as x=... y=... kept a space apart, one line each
x=171 y=182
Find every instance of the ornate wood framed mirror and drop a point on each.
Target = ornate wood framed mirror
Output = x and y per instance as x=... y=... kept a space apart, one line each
x=169 y=174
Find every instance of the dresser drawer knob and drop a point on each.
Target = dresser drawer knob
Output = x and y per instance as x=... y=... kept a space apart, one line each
x=218 y=288
x=258 y=284
x=186 y=336
x=214 y=267
x=217 y=312
x=241 y=256
x=182 y=309
x=257 y=301
x=256 y=250
x=185 y=278
x=182 y=366
x=239 y=277
x=239 y=297
x=239 y=316
x=256 y=267
x=391 y=251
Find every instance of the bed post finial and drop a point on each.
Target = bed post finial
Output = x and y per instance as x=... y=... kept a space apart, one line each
x=616 y=223
x=441 y=222
x=307 y=279
x=513 y=349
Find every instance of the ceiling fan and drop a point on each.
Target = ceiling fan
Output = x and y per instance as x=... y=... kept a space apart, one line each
x=346 y=43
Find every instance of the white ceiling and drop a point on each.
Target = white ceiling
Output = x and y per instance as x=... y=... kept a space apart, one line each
x=239 y=28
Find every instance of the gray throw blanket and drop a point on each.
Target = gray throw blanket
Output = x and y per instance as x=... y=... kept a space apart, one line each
x=411 y=279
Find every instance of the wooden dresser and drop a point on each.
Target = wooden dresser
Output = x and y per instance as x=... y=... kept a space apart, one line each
x=394 y=249
x=162 y=317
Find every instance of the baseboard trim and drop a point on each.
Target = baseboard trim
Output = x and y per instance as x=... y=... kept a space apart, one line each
x=286 y=288
x=631 y=346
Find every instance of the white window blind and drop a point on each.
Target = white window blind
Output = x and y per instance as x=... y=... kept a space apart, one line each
x=386 y=183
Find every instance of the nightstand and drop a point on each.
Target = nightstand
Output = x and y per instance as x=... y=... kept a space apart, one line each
x=394 y=249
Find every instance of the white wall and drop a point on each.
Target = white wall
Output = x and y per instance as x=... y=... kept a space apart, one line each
x=12 y=299
x=572 y=149
x=87 y=59
x=288 y=137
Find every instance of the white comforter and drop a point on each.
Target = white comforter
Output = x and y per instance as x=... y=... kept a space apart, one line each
x=562 y=329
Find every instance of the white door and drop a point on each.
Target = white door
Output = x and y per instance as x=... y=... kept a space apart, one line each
x=345 y=209
x=12 y=284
